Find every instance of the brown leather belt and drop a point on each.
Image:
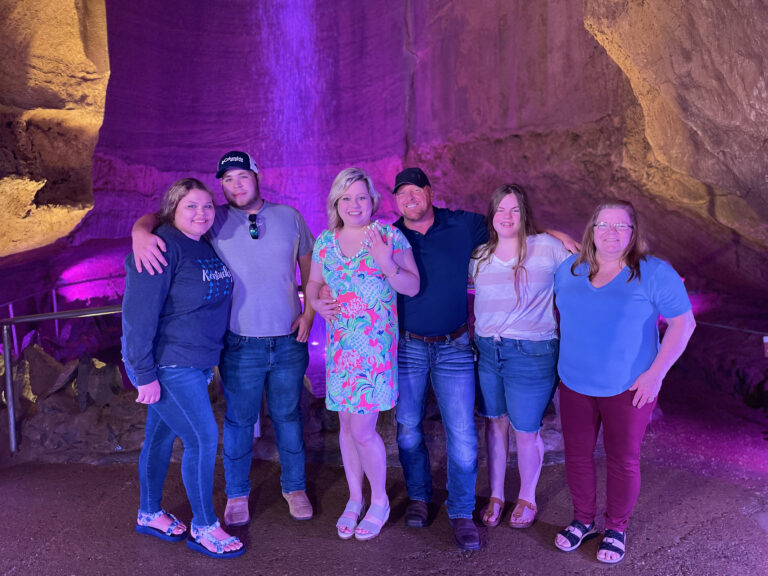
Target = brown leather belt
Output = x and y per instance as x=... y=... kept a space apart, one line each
x=444 y=338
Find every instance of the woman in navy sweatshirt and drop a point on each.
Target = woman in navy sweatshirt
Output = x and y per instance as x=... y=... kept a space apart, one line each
x=173 y=325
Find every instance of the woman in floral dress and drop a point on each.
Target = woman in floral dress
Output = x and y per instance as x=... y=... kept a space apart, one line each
x=364 y=264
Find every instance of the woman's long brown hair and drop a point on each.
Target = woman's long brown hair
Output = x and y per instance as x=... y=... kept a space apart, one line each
x=527 y=228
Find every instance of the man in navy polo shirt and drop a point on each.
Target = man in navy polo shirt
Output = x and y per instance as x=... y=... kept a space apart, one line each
x=435 y=345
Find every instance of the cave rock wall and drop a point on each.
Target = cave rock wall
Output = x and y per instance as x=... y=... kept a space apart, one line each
x=663 y=103
x=53 y=74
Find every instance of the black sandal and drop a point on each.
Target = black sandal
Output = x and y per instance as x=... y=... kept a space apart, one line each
x=576 y=535
x=617 y=546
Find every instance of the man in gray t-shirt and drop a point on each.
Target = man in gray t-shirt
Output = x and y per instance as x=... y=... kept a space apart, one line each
x=265 y=347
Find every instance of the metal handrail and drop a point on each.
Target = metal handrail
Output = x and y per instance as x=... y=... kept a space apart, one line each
x=763 y=333
x=7 y=323
x=79 y=313
x=58 y=285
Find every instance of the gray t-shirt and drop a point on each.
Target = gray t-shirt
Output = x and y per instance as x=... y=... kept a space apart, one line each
x=265 y=299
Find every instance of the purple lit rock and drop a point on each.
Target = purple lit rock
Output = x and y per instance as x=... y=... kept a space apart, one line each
x=663 y=103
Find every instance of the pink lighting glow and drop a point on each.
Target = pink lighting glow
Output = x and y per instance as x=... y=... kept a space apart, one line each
x=98 y=277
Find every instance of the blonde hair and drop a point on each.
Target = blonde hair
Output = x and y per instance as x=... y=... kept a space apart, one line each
x=340 y=185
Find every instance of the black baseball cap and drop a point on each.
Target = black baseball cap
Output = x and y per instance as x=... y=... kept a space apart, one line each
x=413 y=176
x=236 y=159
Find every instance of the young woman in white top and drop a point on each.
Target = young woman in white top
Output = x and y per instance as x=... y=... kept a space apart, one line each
x=516 y=336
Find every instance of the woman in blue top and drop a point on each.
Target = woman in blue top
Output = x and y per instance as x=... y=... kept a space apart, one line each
x=173 y=325
x=611 y=365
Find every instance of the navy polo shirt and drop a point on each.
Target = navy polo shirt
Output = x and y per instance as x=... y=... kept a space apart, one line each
x=442 y=256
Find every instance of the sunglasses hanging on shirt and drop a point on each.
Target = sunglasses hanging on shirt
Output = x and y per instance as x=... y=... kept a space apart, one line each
x=253 y=227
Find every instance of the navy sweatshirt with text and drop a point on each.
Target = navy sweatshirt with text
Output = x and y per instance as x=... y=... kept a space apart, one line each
x=177 y=318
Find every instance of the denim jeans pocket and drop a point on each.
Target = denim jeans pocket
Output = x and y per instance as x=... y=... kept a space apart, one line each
x=232 y=341
x=462 y=343
x=294 y=340
x=482 y=343
x=537 y=348
x=176 y=369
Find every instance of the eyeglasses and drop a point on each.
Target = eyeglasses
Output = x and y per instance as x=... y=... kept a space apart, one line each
x=617 y=226
x=253 y=227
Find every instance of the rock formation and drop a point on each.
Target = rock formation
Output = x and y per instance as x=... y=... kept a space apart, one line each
x=645 y=100
x=661 y=102
x=54 y=74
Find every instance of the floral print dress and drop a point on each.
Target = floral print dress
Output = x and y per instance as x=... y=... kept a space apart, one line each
x=361 y=352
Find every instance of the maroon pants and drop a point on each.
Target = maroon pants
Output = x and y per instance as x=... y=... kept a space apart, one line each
x=623 y=429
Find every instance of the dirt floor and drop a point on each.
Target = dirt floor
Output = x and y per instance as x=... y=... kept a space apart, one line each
x=703 y=510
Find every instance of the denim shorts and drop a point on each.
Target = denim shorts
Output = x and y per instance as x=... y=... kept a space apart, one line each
x=518 y=378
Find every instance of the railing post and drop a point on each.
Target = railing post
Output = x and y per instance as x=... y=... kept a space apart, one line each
x=55 y=310
x=9 y=397
x=13 y=328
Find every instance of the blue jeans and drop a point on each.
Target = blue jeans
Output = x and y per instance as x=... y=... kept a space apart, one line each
x=248 y=365
x=517 y=378
x=450 y=367
x=184 y=410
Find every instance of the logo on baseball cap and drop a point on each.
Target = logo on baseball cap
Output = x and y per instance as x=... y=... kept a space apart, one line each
x=236 y=159
x=413 y=176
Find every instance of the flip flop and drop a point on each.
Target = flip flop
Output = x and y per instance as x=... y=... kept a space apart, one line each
x=488 y=512
x=376 y=517
x=518 y=513
x=195 y=543
x=349 y=519
x=143 y=527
